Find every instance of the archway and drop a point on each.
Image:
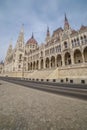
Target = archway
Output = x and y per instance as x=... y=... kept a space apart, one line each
x=34 y=65
x=28 y=66
x=67 y=58
x=85 y=54
x=65 y=44
x=47 y=62
x=77 y=56
x=37 y=64
x=59 y=60
x=41 y=64
x=31 y=66
x=52 y=61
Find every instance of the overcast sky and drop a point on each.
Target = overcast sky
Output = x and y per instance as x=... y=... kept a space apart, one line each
x=36 y=15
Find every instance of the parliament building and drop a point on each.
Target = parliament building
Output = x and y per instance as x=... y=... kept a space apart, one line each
x=61 y=58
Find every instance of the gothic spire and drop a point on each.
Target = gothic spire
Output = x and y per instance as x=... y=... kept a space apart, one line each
x=22 y=28
x=48 y=32
x=20 y=40
x=9 y=48
x=32 y=35
x=66 y=23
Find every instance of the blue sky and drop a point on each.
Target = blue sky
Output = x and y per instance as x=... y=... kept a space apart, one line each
x=36 y=15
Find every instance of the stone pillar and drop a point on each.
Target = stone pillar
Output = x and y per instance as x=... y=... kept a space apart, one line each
x=63 y=62
x=44 y=66
x=55 y=62
x=49 y=63
x=83 y=59
x=39 y=67
x=72 y=59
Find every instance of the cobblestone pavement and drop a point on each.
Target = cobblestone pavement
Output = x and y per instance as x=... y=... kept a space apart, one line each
x=23 y=108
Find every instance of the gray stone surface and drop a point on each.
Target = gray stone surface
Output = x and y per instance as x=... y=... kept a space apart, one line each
x=23 y=108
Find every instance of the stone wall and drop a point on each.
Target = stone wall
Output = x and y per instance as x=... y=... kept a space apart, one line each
x=72 y=72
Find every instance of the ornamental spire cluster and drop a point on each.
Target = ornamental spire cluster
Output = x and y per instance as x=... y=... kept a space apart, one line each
x=66 y=23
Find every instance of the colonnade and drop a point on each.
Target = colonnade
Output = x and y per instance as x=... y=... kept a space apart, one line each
x=68 y=58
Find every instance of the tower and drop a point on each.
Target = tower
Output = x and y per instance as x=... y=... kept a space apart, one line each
x=47 y=35
x=20 y=41
x=9 y=51
x=66 y=24
x=9 y=55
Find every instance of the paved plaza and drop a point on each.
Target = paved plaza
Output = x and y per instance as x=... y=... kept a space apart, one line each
x=23 y=108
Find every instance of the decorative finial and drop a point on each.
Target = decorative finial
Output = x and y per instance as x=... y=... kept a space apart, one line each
x=32 y=35
x=65 y=17
x=66 y=23
x=22 y=28
x=48 y=32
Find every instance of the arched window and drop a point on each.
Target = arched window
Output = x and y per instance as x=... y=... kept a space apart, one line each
x=85 y=54
x=65 y=45
x=59 y=60
x=31 y=66
x=47 y=62
x=52 y=61
x=78 y=41
x=37 y=64
x=77 y=56
x=67 y=58
x=41 y=64
x=28 y=66
x=72 y=43
x=20 y=57
x=81 y=39
x=85 y=38
x=75 y=42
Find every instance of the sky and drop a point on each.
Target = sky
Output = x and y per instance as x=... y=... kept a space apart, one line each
x=36 y=15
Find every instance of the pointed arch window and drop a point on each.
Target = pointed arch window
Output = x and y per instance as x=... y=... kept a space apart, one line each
x=65 y=45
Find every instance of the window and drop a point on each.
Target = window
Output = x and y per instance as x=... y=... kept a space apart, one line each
x=47 y=80
x=71 y=81
x=72 y=43
x=20 y=56
x=41 y=53
x=61 y=80
x=41 y=79
x=19 y=66
x=75 y=42
x=54 y=80
x=79 y=61
x=78 y=41
x=81 y=39
x=85 y=38
x=66 y=79
x=65 y=44
x=24 y=58
x=52 y=50
x=14 y=69
x=83 y=81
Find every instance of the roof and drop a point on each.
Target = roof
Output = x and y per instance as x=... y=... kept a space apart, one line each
x=74 y=32
x=57 y=31
x=83 y=27
x=32 y=40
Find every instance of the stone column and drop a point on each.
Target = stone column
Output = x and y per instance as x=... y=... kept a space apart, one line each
x=49 y=63
x=63 y=62
x=39 y=67
x=44 y=66
x=72 y=59
x=83 y=59
x=55 y=62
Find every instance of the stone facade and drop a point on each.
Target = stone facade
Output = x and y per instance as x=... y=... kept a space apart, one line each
x=1 y=67
x=64 y=54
